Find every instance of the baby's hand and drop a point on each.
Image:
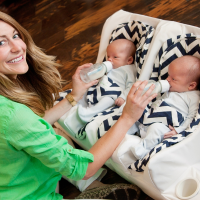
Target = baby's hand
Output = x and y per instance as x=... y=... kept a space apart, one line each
x=170 y=133
x=119 y=101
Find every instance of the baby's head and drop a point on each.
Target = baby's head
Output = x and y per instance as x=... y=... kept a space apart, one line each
x=184 y=74
x=121 y=52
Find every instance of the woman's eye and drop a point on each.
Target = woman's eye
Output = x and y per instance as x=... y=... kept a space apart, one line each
x=16 y=36
x=2 y=42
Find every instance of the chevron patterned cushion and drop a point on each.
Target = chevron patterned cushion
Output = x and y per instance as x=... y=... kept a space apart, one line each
x=141 y=35
x=163 y=113
x=173 y=48
x=96 y=92
x=111 y=113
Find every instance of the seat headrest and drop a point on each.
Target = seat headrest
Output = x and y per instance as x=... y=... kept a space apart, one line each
x=181 y=45
x=140 y=34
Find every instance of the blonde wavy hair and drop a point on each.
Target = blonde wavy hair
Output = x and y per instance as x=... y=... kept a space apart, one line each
x=34 y=88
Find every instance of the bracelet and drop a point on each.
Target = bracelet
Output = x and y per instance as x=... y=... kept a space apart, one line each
x=71 y=100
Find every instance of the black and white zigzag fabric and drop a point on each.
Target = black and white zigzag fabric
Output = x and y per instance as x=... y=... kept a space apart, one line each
x=62 y=95
x=173 y=48
x=105 y=87
x=113 y=115
x=140 y=34
x=161 y=113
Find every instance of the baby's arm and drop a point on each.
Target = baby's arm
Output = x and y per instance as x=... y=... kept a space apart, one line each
x=119 y=101
x=193 y=105
x=128 y=79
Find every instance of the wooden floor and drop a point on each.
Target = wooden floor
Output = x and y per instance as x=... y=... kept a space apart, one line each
x=71 y=30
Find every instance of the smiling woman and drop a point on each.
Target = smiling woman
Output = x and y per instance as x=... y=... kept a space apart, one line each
x=12 y=52
x=34 y=156
x=23 y=61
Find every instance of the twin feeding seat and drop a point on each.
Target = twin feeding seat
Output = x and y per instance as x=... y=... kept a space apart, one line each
x=158 y=43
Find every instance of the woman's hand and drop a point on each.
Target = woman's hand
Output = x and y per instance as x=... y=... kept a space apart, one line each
x=170 y=133
x=136 y=102
x=78 y=86
x=105 y=146
x=78 y=90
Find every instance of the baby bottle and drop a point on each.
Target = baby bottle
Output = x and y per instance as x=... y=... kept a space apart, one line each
x=95 y=71
x=160 y=87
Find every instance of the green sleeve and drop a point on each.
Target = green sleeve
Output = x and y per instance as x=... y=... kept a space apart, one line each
x=29 y=133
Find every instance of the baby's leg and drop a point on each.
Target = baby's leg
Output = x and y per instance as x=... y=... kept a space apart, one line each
x=86 y=113
x=155 y=134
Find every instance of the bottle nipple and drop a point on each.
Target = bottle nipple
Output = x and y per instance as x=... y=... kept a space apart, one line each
x=164 y=86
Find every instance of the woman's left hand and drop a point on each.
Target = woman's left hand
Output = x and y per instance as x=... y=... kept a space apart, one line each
x=170 y=133
x=78 y=90
x=78 y=86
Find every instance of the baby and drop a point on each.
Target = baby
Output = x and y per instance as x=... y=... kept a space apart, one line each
x=182 y=100
x=114 y=87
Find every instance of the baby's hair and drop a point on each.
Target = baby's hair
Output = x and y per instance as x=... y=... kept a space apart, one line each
x=130 y=48
x=128 y=45
x=194 y=71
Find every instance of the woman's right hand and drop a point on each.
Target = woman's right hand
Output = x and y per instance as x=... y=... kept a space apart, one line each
x=136 y=102
x=106 y=145
x=78 y=86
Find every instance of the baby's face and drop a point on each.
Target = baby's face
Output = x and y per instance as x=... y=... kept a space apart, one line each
x=177 y=78
x=117 y=56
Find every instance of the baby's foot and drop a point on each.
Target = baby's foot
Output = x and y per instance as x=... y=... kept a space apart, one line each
x=138 y=151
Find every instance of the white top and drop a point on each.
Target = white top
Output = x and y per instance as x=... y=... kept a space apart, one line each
x=187 y=103
x=124 y=76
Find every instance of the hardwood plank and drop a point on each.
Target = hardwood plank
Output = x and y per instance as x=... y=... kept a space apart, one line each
x=71 y=30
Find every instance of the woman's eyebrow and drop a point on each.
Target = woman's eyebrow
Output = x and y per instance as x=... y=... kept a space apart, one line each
x=2 y=36
x=5 y=35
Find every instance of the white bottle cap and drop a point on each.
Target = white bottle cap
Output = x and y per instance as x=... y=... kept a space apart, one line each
x=108 y=65
x=164 y=85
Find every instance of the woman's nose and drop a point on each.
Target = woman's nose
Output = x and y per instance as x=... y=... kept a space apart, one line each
x=14 y=46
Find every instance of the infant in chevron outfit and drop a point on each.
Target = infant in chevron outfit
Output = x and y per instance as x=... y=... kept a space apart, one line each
x=181 y=102
x=114 y=87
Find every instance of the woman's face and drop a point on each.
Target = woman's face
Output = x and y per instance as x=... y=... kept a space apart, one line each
x=12 y=52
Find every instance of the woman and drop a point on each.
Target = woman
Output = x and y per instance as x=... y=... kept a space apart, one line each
x=32 y=156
